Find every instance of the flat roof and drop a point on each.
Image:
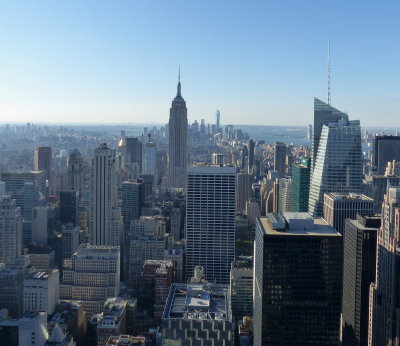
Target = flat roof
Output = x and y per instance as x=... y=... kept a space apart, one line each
x=198 y=302
x=321 y=228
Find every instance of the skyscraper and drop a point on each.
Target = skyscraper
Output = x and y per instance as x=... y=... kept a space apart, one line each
x=105 y=226
x=339 y=163
x=75 y=171
x=29 y=191
x=385 y=149
x=10 y=231
x=43 y=160
x=218 y=120
x=177 y=140
x=297 y=281
x=384 y=326
x=251 y=156
x=132 y=201
x=359 y=253
x=323 y=115
x=134 y=151
x=69 y=207
x=149 y=164
x=243 y=190
x=341 y=206
x=280 y=158
x=301 y=185
x=210 y=220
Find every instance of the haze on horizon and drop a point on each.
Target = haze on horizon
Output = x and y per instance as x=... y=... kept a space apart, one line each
x=260 y=63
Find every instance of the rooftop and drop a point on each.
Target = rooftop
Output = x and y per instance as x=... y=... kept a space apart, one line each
x=337 y=196
x=298 y=224
x=198 y=302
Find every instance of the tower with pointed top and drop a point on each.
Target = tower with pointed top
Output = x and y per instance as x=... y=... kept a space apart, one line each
x=177 y=160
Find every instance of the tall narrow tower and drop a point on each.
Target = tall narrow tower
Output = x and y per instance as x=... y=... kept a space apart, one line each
x=177 y=140
x=105 y=216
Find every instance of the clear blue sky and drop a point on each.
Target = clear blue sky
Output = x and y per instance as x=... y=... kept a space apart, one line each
x=261 y=62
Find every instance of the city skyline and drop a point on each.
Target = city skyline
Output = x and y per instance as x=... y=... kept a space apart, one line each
x=100 y=63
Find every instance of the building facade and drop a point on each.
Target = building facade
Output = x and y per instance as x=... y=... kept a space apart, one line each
x=210 y=220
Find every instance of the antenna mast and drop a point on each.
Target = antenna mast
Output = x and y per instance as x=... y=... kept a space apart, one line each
x=329 y=72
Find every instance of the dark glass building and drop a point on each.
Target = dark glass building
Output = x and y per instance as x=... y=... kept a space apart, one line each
x=301 y=185
x=359 y=252
x=132 y=201
x=385 y=148
x=297 y=281
x=69 y=207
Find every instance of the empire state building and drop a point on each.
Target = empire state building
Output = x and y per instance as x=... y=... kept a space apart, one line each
x=178 y=123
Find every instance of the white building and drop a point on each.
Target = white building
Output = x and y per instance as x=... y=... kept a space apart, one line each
x=10 y=230
x=105 y=226
x=42 y=291
x=210 y=220
x=91 y=276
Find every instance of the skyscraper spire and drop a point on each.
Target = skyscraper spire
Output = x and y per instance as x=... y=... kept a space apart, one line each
x=329 y=72
x=179 y=82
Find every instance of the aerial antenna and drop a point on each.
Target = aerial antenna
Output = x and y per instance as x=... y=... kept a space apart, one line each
x=329 y=72
x=179 y=74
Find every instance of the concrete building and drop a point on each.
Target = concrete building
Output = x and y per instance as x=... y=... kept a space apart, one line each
x=217 y=159
x=341 y=206
x=69 y=240
x=42 y=291
x=177 y=141
x=210 y=220
x=384 y=328
x=359 y=261
x=105 y=226
x=285 y=195
x=10 y=231
x=75 y=171
x=376 y=186
x=43 y=160
x=243 y=190
x=31 y=329
x=176 y=256
x=91 y=276
x=197 y=314
x=29 y=191
x=297 y=281
x=241 y=287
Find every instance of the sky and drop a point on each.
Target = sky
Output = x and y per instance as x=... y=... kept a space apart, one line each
x=259 y=62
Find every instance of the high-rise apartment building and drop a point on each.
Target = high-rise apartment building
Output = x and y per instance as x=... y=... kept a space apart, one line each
x=359 y=258
x=341 y=206
x=338 y=165
x=280 y=158
x=75 y=171
x=210 y=220
x=301 y=185
x=91 y=276
x=285 y=195
x=29 y=191
x=384 y=326
x=43 y=160
x=297 y=281
x=323 y=115
x=10 y=231
x=385 y=149
x=177 y=159
x=105 y=225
